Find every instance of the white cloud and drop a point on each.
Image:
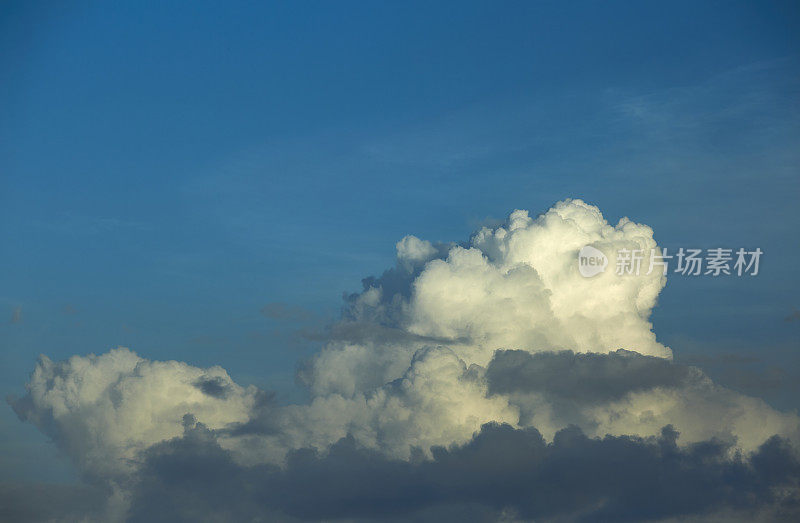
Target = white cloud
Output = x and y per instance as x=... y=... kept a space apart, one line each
x=702 y=409
x=448 y=308
x=513 y=287
x=518 y=287
x=106 y=409
x=438 y=400
x=412 y=251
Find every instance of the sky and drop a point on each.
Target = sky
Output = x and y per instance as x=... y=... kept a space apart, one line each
x=210 y=183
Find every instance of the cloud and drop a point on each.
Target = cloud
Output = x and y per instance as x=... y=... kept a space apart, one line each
x=584 y=378
x=215 y=386
x=501 y=330
x=501 y=471
x=24 y=503
x=624 y=392
x=367 y=332
x=516 y=287
x=103 y=410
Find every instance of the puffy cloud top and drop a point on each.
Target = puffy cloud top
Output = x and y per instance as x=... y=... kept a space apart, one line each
x=518 y=287
x=106 y=409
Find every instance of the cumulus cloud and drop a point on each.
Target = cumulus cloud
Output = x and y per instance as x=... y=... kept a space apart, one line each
x=436 y=401
x=515 y=287
x=501 y=330
x=104 y=410
x=625 y=392
x=518 y=287
x=503 y=473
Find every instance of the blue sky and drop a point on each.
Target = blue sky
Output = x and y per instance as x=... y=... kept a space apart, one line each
x=168 y=171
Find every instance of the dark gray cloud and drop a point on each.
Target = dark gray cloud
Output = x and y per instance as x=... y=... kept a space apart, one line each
x=502 y=471
x=585 y=378
x=263 y=419
x=213 y=386
x=38 y=502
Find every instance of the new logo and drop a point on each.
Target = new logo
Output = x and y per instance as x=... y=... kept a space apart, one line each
x=591 y=261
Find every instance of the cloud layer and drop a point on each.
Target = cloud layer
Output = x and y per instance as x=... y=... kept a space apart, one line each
x=502 y=473
x=500 y=330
